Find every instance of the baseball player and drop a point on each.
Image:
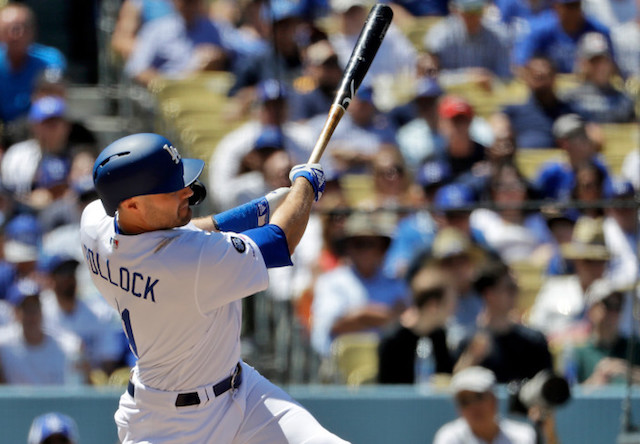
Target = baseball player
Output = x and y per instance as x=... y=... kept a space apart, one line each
x=178 y=282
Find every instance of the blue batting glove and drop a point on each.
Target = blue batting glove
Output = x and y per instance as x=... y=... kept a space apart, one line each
x=313 y=173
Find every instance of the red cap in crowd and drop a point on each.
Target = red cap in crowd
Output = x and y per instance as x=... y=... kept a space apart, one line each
x=453 y=106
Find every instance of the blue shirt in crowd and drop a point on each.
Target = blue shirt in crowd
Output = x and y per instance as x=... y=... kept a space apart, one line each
x=423 y=8
x=532 y=122
x=556 y=180
x=16 y=86
x=167 y=45
x=547 y=38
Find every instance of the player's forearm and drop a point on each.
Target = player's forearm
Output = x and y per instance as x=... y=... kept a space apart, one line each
x=292 y=216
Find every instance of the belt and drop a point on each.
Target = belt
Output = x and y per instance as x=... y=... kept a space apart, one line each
x=192 y=398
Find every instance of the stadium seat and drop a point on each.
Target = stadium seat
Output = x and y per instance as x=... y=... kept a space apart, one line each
x=529 y=160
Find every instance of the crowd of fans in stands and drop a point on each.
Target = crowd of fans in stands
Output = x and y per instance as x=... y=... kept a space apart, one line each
x=430 y=251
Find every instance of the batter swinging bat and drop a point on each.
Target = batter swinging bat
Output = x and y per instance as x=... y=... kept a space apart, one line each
x=365 y=50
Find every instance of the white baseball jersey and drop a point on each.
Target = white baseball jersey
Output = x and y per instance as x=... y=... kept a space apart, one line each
x=178 y=293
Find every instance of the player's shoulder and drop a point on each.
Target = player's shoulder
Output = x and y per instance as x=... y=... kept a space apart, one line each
x=518 y=431
x=452 y=432
x=92 y=216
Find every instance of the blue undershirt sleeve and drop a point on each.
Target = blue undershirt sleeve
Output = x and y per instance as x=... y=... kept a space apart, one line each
x=273 y=245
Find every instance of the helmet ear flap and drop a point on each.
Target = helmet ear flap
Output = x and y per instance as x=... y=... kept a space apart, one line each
x=199 y=193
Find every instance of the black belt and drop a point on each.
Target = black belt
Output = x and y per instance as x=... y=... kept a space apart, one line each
x=192 y=398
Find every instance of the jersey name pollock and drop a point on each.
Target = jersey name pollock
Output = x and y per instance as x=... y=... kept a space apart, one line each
x=137 y=284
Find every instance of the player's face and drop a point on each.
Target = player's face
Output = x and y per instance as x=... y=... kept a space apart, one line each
x=167 y=210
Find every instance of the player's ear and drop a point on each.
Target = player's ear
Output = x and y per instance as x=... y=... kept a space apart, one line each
x=129 y=204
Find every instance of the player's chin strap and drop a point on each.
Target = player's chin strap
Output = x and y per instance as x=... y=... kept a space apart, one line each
x=250 y=215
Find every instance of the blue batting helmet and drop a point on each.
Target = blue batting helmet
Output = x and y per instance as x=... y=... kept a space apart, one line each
x=141 y=164
x=50 y=424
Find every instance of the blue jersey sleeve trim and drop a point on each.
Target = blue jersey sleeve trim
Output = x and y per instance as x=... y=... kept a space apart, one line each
x=273 y=245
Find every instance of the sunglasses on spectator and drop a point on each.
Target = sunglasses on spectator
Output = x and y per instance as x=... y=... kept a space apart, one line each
x=471 y=398
x=390 y=172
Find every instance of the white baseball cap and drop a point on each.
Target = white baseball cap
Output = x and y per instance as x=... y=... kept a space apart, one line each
x=473 y=379
x=341 y=6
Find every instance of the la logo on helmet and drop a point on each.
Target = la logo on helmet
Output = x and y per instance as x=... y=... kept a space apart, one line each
x=175 y=155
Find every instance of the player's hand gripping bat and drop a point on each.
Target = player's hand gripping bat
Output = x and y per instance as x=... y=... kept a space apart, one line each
x=371 y=36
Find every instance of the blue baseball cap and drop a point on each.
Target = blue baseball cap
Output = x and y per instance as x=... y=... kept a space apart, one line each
x=21 y=290
x=47 y=108
x=428 y=87
x=23 y=228
x=271 y=89
x=433 y=172
x=365 y=94
x=454 y=197
x=52 y=171
x=270 y=137
x=616 y=188
x=50 y=424
x=280 y=10
x=57 y=263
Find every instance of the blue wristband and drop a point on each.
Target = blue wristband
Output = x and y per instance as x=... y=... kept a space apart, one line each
x=245 y=217
x=272 y=244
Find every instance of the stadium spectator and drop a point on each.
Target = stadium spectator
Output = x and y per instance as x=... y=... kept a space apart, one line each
x=560 y=224
x=22 y=240
x=50 y=146
x=560 y=304
x=473 y=391
x=620 y=233
x=393 y=187
x=21 y=60
x=556 y=35
x=611 y=13
x=418 y=8
x=508 y=348
x=282 y=59
x=603 y=359
x=514 y=232
x=396 y=55
x=53 y=428
x=416 y=231
x=132 y=16
x=454 y=253
x=180 y=43
x=324 y=74
x=357 y=297
x=462 y=151
x=589 y=187
x=556 y=178
x=265 y=168
x=362 y=132
x=420 y=137
x=595 y=98
x=226 y=159
x=626 y=52
x=532 y=120
x=467 y=51
x=28 y=354
x=63 y=312
x=433 y=303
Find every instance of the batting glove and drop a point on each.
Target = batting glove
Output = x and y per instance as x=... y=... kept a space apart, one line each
x=313 y=173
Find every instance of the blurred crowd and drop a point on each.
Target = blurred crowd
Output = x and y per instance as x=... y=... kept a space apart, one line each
x=431 y=245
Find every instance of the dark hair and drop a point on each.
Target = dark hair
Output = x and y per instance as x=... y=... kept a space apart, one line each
x=504 y=165
x=489 y=275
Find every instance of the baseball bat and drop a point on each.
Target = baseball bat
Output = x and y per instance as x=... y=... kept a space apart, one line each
x=370 y=39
